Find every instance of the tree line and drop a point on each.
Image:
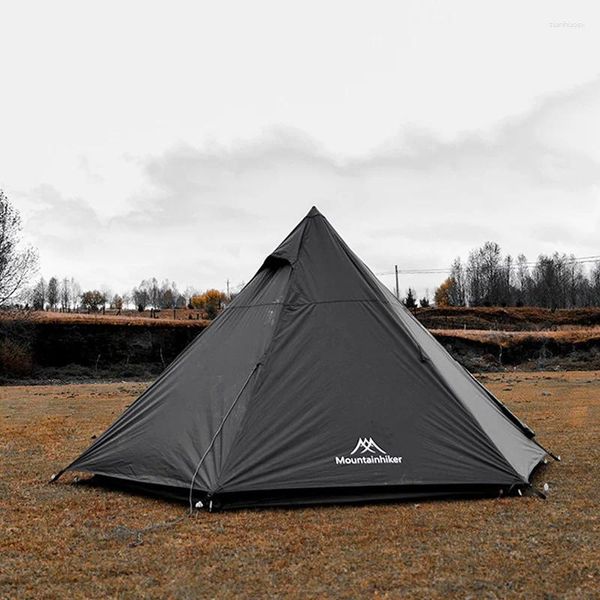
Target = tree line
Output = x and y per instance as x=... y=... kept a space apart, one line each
x=66 y=295
x=19 y=265
x=486 y=278
x=489 y=278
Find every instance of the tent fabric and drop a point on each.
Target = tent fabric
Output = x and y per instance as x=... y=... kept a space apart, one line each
x=315 y=385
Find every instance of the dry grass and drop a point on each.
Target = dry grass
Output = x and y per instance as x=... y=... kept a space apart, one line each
x=185 y=318
x=534 y=314
x=73 y=541
x=511 y=338
x=520 y=318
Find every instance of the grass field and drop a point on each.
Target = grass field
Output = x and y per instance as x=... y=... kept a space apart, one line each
x=65 y=540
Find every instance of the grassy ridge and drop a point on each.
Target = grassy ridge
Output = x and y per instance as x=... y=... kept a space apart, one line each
x=68 y=346
x=507 y=319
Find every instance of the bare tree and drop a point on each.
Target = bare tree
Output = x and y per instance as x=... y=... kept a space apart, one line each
x=491 y=279
x=52 y=293
x=169 y=295
x=523 y=281
x=154 y=293
x=457 y=291
x=595 y=284
x=38 y=295
x=127 y=300
x=75 y=292
x=117 y=303
x=141 y=295
x=17 y=263
x=65 y=295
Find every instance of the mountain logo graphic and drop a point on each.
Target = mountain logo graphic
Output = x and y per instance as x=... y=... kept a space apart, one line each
x=367 y=445
x=368 y=452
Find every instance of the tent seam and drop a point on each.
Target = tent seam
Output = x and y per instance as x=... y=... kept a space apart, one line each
x=262 y=361
x=265 y=357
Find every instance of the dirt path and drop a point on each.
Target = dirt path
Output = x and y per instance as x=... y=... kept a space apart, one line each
x=71 y=541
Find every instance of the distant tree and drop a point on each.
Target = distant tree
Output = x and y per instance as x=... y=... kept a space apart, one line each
x=117 y=303
x=107 y=293
x=505 y=286
x=127 y=300
x=210 y=301
x=17 y=263
x=149 y=294
x=93 y=300
x=547 y=279
x=154 y=293
x=577 y=283
x=457 y=291
x=595 y=284
x=443 y=293
x=485 y=276
x=38 y=295
x=168 y=299
x=424 y=302
x=491 y=279
x=523 y=282
x=168 y=294
x=65 y=295
x=75 y=291
x=410 y=301
x=52 y=293
x=141 y=295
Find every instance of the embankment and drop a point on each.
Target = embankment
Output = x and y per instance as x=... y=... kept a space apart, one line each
x=33 y=349
x=71 y=350
x=529 y=318
x=570 y=350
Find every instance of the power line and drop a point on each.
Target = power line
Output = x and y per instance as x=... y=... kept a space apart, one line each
x=438 y=270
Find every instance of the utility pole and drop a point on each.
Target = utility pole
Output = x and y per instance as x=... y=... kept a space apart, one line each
x=228 y=288
x=397 y=287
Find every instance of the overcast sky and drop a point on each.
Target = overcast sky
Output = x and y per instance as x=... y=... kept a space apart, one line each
x=186 y=139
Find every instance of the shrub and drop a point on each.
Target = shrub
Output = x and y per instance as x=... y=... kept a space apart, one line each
x=210 y=301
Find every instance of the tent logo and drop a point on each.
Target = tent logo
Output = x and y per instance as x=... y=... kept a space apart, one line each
x=370 y=454
x=367 y=445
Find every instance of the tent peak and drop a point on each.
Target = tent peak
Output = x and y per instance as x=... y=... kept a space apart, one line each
x=289 y=249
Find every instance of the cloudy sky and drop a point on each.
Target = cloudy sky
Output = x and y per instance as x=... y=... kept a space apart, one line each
x=184 y=140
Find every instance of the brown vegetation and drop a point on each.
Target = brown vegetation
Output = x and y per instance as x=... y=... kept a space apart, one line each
x=509 y=339
x=529 y=318
x=210 y=302
x=66 y=540
x=182 y=318
x=444 y=317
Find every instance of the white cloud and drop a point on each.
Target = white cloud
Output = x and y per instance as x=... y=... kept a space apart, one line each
x=206 y=214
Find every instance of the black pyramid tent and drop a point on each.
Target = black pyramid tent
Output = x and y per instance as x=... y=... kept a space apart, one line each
x=315 y=385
